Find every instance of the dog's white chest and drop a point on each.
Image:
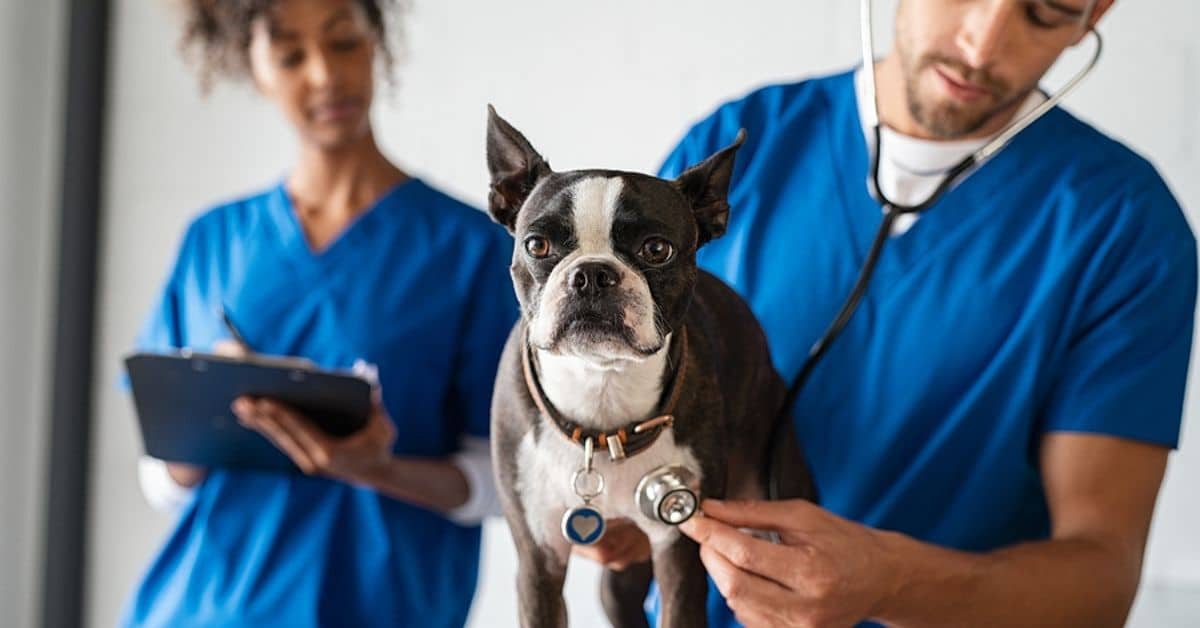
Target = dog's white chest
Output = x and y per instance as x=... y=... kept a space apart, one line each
x=546 y=465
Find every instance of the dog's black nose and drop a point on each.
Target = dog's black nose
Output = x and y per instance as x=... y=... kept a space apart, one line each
x=593 y=278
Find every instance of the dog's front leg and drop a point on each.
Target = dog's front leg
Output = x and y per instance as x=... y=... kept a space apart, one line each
x=540 y=580
x=623 y=594
x=542 y=558
x=682 y=584
x=542 y=566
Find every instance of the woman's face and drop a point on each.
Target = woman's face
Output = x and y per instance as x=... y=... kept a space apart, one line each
x=315 y=60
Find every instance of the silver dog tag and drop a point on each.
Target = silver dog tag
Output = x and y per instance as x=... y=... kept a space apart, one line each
x=584 y=524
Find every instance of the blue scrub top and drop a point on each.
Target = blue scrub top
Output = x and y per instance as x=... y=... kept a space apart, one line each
x=418 y=285
x=1052 y=291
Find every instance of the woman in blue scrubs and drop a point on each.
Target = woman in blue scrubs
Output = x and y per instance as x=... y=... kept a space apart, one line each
x=347 y=259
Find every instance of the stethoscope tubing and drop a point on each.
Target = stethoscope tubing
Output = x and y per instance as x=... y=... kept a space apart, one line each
x=892 y=210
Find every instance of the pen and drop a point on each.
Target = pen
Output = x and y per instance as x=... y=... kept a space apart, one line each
x=233 y=331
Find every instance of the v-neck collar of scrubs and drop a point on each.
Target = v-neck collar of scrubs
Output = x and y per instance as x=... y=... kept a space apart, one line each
x=355 y=233
x=952 y=217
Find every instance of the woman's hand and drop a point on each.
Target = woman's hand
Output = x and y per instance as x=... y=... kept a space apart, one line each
x=186 y=475
x=360 y=458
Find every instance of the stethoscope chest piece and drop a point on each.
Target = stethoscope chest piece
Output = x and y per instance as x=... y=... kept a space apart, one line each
x=669 y=494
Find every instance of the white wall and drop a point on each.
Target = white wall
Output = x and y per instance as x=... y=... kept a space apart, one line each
x=31 y=35
x=591 y=84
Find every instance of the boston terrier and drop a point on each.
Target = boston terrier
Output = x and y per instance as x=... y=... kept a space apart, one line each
x=634 y=383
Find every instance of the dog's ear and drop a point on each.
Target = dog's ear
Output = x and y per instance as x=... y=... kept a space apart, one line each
x=515 y=168
x=706 y=187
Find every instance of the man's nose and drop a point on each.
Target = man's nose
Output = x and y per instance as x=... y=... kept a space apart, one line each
x=983 y=31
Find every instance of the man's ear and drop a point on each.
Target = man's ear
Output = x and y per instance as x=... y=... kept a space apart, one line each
x=515 y=169
x=706 y=187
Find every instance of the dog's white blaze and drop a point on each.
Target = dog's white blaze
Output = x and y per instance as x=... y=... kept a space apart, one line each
x=544 y=469
x=594 y=208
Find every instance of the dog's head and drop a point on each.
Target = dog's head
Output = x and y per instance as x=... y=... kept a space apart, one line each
x=605 y=261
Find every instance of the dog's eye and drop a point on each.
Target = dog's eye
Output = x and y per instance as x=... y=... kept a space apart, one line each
x=537 y=247
x=656 y=251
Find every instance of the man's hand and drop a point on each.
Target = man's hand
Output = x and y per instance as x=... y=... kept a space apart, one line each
x=827 y=571
x=832 y=572
x=622 y=545
x=360 y=458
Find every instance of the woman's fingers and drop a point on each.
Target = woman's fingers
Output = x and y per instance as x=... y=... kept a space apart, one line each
x=250 y=416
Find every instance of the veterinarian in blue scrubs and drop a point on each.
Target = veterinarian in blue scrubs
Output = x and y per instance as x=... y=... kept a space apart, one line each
x=989 y=433
x=346 y=259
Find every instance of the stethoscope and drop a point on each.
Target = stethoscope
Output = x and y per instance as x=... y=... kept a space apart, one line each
x=893 y=210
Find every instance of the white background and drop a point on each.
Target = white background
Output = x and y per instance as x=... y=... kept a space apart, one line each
x=610 y=84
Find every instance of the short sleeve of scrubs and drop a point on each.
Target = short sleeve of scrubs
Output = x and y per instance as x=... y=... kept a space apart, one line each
x=1123 y=372
x=161 y=328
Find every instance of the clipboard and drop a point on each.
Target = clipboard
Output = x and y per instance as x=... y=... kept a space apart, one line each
x=183 y=405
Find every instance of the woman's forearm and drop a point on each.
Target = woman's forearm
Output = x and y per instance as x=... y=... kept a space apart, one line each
x=434 y=483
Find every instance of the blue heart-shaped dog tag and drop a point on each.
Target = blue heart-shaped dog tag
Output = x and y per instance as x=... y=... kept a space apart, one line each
x=583 y=525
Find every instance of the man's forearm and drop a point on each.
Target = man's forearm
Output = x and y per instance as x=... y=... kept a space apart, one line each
x=1068 y=582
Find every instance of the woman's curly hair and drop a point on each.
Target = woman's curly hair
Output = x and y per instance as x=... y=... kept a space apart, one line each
x=216 y=34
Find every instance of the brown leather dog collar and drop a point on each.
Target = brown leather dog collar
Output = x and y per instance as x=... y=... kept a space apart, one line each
x=628 y=440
